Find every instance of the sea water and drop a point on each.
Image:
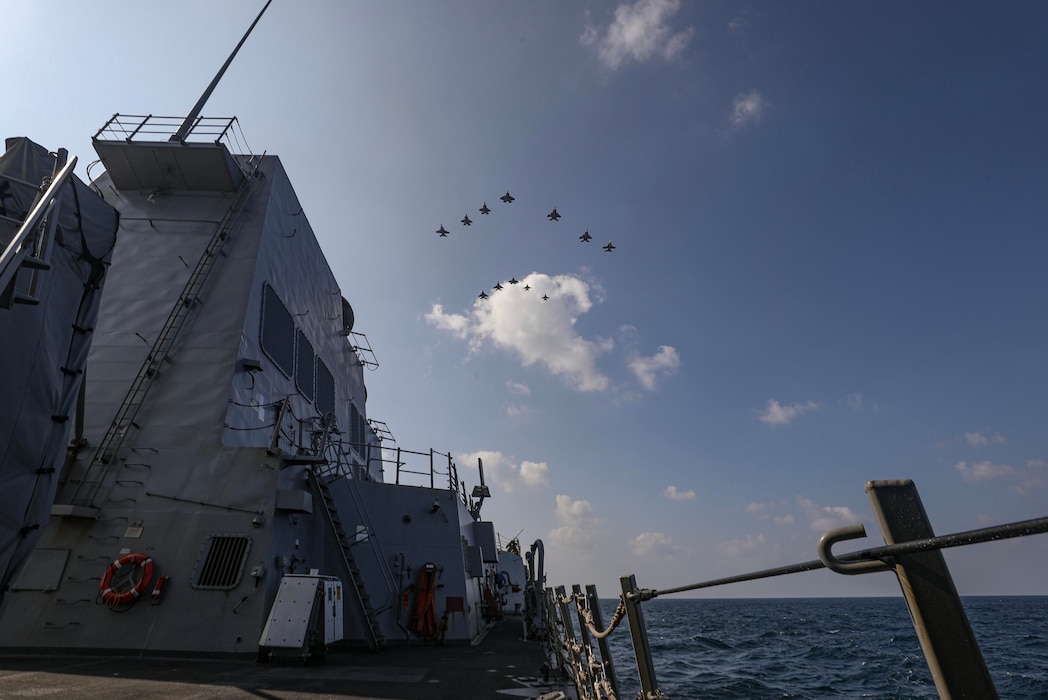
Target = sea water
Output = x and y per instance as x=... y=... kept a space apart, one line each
x=822 y=648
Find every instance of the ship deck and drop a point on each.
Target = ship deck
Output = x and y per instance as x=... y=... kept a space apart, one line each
x=502 y=665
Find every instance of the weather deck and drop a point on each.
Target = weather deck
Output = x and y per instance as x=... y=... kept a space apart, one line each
x=501 y=665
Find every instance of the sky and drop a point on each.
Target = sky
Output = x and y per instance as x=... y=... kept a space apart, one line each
x=829 y=223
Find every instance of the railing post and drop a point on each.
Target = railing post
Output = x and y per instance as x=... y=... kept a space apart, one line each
x=602 y=642
x=579 y=670
x=949 y=645
x=641 y=649
x=398 y=466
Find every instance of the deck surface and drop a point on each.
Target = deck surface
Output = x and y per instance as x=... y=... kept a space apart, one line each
x=503 y=665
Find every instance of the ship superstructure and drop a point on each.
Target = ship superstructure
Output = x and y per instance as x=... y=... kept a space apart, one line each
x=224 y=434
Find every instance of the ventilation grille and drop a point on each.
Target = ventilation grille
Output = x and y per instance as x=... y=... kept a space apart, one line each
x=221 y=562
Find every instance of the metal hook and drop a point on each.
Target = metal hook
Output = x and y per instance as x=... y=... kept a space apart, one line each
x=850 y=568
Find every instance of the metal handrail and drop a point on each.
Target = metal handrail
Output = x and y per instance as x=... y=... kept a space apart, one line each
x=16 y=251
x=1035 y=526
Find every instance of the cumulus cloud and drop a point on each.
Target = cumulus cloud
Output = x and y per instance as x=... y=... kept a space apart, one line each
x=777 y=414
x=979 y=439
x=518 y=388
x=578 y=527
x=673 y=494
x=823 y=518
x=751 y=547
x=501 y=470
x=639 y=32
x=654 y=543
x=982 y=471
x=535 y=331
x=663 y=362
x=747 y=108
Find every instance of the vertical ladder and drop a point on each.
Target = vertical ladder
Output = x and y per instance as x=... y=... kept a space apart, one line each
x=105 y=455
x=375 y=639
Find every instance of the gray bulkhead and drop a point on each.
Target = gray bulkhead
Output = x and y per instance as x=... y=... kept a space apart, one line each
x=261 y=385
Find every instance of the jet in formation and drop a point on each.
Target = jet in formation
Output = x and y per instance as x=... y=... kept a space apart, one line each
x=608 y=248
x=442 y=231
x=585 y=237
x=512 y=280
x=527 y=287
x=507 y=198
x=466 y=221
x=482 y=294
x=484 y=209
x=553 y=215
x=545 y=297
x=498 y=286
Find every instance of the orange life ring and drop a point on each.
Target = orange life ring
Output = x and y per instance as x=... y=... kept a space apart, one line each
x=112 y=597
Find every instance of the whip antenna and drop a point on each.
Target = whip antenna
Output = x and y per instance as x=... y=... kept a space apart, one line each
x=187 y=124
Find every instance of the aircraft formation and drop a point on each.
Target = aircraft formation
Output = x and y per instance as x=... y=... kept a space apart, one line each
x=554 y=216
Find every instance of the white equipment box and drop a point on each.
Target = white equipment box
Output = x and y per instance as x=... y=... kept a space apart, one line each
x=306 y=616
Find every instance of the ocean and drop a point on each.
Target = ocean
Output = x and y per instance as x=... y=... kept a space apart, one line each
x=822 y=648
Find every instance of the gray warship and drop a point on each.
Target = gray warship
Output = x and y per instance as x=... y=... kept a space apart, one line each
x=186 y=457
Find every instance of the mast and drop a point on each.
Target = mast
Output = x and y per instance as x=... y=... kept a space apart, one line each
x=187 y=124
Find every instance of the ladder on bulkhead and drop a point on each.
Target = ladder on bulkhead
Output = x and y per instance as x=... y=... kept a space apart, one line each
x=105 y=456
x=375 y=639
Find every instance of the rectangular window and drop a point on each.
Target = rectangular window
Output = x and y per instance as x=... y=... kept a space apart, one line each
x=304 y=366
x=325 y=389
x=278 y=332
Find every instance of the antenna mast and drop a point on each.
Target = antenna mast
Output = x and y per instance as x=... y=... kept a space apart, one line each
x=187 y=124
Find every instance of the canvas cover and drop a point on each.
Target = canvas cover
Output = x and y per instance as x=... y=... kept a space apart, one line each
x=44 y=346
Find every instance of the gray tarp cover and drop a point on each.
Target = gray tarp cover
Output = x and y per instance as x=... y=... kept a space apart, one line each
x=43 y=348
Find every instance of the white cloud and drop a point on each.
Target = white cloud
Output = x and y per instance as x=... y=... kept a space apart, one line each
x=534 y=474
x=664 y=361
x=654 y=543
x=823 y=518
x=673 y=494
x=579 y=528
x=777 y=414
x=755 y=507
x=518 y=388
x=638 y=32
x=746 y=108
x=500 y=470
x=536 y=331
x=982 y=471
x=752 y=547
x=784 y=520
x=979 y=439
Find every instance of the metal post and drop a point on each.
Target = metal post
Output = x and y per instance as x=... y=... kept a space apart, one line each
x=586 y=655
x=602 y=642
x=645 y=668
x=949 y=645
x=578 y=666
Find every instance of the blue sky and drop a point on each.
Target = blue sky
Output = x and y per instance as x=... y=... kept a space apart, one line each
x=829 y=222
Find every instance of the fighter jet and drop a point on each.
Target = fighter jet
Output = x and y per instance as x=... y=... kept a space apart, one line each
x=585 y=237
x=527 y=287
x=553 y=215
x=498 y=286
x=507 y=198
x=608 y=248
x=466 y=221
x=482 y=294
x=512 y=280
x=545 y=297
x=442 y=231
x=484 y=209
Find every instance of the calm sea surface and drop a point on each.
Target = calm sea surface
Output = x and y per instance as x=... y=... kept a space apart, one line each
x=823 y=648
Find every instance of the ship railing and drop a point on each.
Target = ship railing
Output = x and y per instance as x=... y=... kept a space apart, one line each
x=912 y=552
x=155 y=128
